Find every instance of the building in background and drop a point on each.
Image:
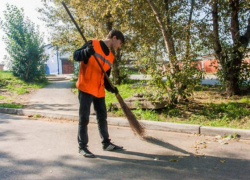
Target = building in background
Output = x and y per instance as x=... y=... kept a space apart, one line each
x=57 y=62
x=1 y=67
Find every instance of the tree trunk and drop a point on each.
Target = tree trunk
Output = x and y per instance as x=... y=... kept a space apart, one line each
x=116 y=71
x=189 y=29
x=117 y=60
x=188 y=37
x=109 y=23
x=27 y=71
x=231 y=65
x=167 y=36
x=232 y=86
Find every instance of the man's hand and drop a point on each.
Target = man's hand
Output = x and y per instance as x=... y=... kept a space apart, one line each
x=90 y=50
x=115 y=90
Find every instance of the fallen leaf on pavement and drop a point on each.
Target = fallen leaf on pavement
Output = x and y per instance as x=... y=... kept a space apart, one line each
x=173 y=160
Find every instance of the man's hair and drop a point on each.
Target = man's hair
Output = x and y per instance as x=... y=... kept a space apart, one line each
x=117 y=33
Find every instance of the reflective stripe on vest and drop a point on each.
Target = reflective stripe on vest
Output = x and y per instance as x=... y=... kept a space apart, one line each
x=103 y=59
x=91 y=77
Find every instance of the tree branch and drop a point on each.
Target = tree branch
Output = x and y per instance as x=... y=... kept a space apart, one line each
x=189 y=27
x=246 y=37
x=234 y=4
x=217 y=46
x=159 y=20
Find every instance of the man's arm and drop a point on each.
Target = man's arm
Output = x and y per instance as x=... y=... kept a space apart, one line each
x=84 y=53
x=107 y=85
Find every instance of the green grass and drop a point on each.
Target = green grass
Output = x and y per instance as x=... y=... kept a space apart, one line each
x=11 y=105
x=37 y=116
x=15 y=85
x=148 y=115
x=125 y=90
x=130 y=72
x=243 y=123
x=2 y=97
x=226 y=114
x=245 y=100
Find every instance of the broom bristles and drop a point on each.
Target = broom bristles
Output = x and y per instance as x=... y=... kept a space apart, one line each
x=133 y=122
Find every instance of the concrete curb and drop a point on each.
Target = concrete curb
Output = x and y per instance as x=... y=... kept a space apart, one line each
x=213 y=131
x=174 y=127
x=153 y=125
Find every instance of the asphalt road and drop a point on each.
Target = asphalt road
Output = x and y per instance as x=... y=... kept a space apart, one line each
x=47 y=149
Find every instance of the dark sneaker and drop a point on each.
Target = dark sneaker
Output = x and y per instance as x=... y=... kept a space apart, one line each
x=86 y=153
x=111 y=147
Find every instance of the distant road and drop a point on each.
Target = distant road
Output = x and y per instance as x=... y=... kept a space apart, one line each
x=208 y=79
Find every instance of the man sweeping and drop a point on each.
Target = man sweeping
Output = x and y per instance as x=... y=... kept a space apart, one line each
x=92 y=84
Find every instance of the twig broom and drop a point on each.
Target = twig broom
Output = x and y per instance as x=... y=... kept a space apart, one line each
x=134 y=124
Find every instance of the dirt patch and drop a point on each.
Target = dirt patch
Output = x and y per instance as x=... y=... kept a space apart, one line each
x=31 y=117
x=10 y=97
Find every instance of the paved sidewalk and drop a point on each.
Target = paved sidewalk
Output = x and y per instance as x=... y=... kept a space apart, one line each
x=45 y=149
x=55 y=97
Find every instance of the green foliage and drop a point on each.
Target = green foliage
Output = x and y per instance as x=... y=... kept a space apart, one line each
x=24 y=45
x=172 y=53
x=244 y=76
x=76 y=71
x=166 y=86
x=173 y=112
x=242 y=73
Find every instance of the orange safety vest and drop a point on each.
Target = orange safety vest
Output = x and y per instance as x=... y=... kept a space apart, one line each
x=91 y=77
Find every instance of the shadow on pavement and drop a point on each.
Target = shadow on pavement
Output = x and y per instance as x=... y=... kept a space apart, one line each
x=158 y=142
x=6 y=117
x=59 y=85
x=5 y=133
x=108 y=167
x=54 y=107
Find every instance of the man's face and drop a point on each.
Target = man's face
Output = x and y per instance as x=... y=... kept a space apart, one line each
x=116 y=43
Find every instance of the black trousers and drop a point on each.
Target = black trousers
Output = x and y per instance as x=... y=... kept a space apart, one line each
x=85 y=101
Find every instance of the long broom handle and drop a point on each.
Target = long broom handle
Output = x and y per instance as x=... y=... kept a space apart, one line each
x=64 y=5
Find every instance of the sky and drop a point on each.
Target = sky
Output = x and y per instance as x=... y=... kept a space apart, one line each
x=30 y=11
